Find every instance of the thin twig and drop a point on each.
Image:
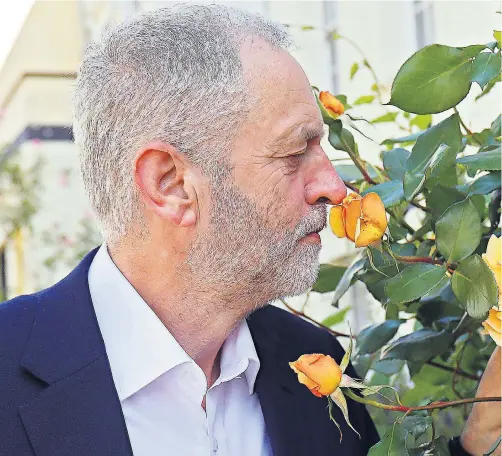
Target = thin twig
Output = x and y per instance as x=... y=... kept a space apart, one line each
x=432 y=406
x=317 y=323
x=451 y=369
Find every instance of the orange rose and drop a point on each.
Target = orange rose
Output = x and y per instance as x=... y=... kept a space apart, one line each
x=493 y=258
x=331 y=104
x=319 y=373
x=362 y=219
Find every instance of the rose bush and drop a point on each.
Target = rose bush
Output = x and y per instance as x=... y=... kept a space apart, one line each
x=437 y=267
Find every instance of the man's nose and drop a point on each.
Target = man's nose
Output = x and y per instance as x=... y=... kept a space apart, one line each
x=326 y=185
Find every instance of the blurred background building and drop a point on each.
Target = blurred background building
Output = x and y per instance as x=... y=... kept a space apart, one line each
x=37 y=76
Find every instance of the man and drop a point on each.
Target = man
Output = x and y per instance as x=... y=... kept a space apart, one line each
x=200 y=151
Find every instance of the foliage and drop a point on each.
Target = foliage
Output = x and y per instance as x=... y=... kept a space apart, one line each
x=446 y=178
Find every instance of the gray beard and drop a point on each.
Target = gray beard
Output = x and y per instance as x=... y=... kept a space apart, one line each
x=241 y=256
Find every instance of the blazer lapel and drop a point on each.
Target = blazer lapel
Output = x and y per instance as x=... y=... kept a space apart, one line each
x=79 y=412
x=277 y=387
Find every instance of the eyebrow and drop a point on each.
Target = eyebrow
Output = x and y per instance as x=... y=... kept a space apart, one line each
x=304 y=131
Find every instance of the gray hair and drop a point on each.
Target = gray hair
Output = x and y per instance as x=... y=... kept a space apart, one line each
x=173 y=74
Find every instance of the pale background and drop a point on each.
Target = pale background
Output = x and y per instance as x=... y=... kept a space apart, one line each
x=41 y=45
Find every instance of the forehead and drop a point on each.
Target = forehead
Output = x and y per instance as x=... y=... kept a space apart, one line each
x=286 y=106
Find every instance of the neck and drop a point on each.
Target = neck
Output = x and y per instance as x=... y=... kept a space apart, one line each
x=199 y=318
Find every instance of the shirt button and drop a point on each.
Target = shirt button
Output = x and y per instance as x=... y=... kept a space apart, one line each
x=215 y=445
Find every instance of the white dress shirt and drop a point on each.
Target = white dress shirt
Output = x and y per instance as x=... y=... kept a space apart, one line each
x=161 y=388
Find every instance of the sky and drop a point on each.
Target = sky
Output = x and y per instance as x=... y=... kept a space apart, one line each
x=12 y=16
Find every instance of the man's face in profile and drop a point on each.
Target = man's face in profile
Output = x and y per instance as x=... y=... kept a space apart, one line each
x=269 y=201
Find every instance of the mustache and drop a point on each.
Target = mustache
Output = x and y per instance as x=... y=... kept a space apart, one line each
x=315 y=221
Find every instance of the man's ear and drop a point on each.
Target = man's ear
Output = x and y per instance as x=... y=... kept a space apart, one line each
x=160 y=173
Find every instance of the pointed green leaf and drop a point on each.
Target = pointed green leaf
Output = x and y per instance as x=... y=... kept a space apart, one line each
x=441 y=198
x=485 y=67
x=475 y=287
x=496 y=127
x=458 y=231
x=328 y=278
x=486 y=161
x=350 y=173
x=353 y=70
x=391 y=192
x=402 y=140
x=419 y=346
x=343 y=141
x=375 y=337
x=446 y=132
x=336 y=318
x=485 y=184
x=414 y=282
x=497 y=34
x=365 y=99
x=393 y=443
x=423 y=121
x=389 y=117
x=394 y=162
x=434 y=79
x=346 y=280
x=412 y=184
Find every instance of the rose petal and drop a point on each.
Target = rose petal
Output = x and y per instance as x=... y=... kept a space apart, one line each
x=352 y=208
x=336 y=221
x=374 y=210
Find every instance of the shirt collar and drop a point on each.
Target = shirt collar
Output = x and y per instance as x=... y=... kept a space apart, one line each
x=139 y=347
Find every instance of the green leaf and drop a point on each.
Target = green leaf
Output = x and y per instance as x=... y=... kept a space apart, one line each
x=485 y=184
x=391 y=192
x=486 y=161
x=393 y=443
x=413 y=282
x=353 y=70
x=496 y=127
x=458 y=231
x=441 y=198
x=434 y=79
x=394 y=162
x=343 y=141
x=489 y=87
x=402 y=140
x=365 y=99
x=388 y=366
x=375 y=337
x=485 y=67
x=389 y=117
x=423 y=121
x=336 y=318
x=412 y=184
x=346 y=280
x=350 y=173
x=419 y=346
x=475 y=287
x=328 y=278
x=446 y=132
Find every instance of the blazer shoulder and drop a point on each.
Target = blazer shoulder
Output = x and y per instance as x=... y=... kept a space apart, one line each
x=16 y=320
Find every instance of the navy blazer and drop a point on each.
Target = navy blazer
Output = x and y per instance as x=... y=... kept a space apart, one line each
x=58 y=397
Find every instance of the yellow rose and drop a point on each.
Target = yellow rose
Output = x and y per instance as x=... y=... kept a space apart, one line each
x=493 y=258
x=362 y=219
x=493 y=325
x=319 y=373
x=332 y=104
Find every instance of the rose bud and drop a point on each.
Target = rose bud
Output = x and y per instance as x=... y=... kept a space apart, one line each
x=319 y=373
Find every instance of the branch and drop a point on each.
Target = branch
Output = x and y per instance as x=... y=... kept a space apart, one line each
x=318 y=324
x=452 y=369
x=432 y=406
x=414 y=259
